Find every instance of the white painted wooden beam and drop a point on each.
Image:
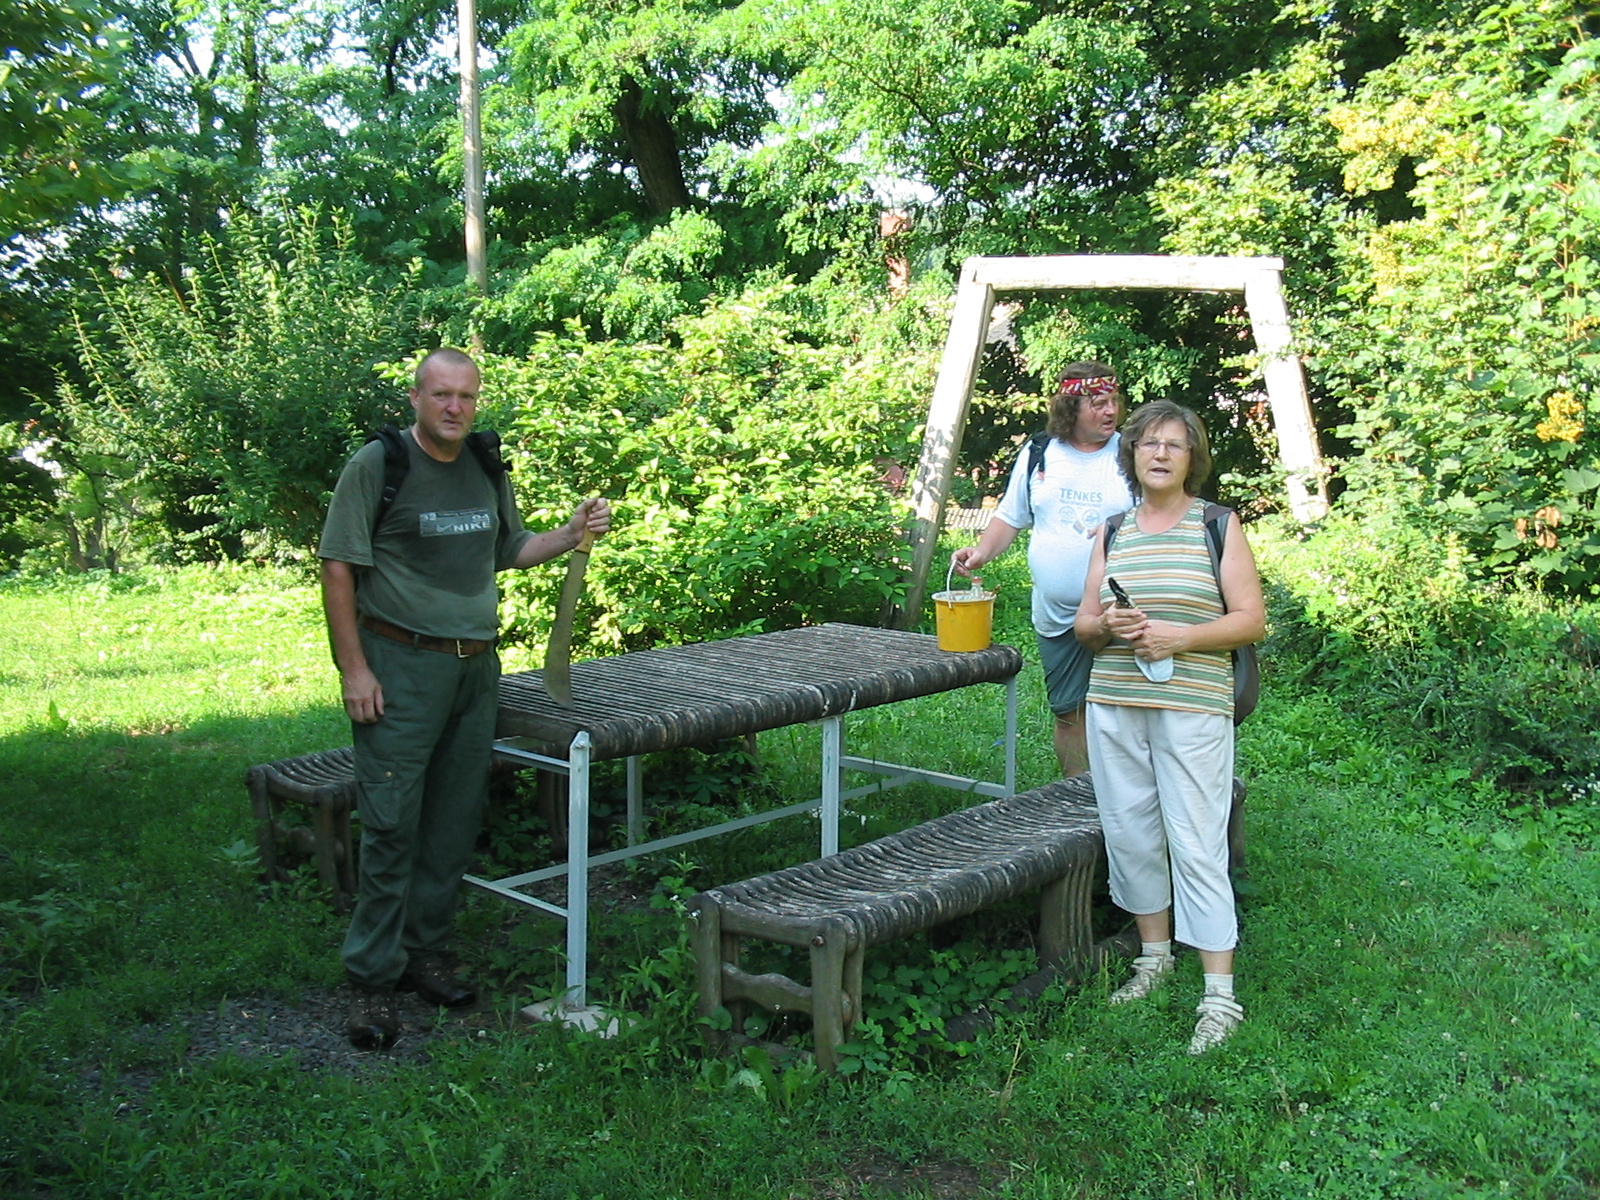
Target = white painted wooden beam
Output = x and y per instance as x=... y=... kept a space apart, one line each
x=1298 y=449
x=1143 y=272
x=941 y=437
x=1259 y=278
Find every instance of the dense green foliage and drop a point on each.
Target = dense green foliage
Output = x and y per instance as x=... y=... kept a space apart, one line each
x=1427 y=172
x=57 y=87
x=231 y=408
x=1502 y=680
x=1419 y=938
x=1438 y=211
x=743 y=465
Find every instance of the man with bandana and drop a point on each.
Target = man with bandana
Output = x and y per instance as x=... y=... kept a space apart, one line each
x=1063 y=497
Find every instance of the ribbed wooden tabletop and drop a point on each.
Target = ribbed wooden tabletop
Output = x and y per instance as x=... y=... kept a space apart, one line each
x=689 y=695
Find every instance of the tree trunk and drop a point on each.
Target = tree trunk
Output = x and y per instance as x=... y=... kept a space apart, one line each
x=654 y=150
x=250 y=101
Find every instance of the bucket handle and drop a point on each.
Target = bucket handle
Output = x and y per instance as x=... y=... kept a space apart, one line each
x=950 y=573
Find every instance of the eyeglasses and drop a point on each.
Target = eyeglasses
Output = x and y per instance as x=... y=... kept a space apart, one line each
x=1152 y=445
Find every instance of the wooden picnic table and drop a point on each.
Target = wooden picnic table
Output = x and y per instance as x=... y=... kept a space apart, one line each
x=634 y=704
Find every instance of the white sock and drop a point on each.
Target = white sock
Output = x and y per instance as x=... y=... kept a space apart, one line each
x=1156 y=949
x=1219 y=985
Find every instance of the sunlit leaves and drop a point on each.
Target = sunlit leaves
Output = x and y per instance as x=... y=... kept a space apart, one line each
x=60 y=60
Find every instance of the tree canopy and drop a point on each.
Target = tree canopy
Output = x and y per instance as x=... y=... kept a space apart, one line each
x=1427 y=171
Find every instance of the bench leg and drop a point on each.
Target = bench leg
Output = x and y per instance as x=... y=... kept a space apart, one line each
x=345 y=851
x=1065 y=929
x=327 y=853
x=266 y=838
x=852 y=987
x=705 y=935
x=732 y=950
x=828 y=954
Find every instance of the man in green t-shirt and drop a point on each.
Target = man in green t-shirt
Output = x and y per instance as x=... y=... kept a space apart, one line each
x=411 y=602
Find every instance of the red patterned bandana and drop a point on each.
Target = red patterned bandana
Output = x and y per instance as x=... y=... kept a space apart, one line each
x=1100 y=385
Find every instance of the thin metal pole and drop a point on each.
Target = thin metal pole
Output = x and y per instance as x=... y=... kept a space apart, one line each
x=832 y=768
x=578 y=872
x=635 y=800
x=1011 y=736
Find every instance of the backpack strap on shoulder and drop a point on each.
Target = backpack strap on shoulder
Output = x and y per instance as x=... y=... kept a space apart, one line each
x=396 y=463
x=1036 y=446
x=1216 y=523
x=485 y=447
x=1113 y=523
x=1246 y=661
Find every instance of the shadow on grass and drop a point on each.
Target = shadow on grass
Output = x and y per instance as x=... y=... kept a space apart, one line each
x=147 y=798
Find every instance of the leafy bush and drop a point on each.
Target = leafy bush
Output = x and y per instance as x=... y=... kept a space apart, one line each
x=1387 y=617
x=743 y=468
x=1469 y=352
x=235 y=400
x=635 y=279
x=1435 y=207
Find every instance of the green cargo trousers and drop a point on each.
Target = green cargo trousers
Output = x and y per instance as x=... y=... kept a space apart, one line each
x=422 y=778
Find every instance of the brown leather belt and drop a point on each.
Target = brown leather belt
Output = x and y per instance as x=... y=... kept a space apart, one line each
x=460 y=647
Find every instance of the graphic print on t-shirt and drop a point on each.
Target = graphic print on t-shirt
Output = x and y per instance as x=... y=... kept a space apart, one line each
x=449 y=524
x=1080 y=510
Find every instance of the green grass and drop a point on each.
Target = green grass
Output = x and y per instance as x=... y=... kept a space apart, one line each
x=1418 y=970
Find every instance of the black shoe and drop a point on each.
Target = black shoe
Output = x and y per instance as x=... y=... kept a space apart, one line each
x=433 y=979
x=374 y=1021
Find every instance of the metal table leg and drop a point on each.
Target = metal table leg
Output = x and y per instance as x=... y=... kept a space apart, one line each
x=578 y=872
x=832 y=770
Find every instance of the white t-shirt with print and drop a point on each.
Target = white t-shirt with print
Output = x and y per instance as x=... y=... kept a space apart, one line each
x=1077 y=492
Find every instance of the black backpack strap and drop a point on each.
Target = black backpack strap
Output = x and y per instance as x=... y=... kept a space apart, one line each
x=1036 y=445
x=1113 y=523
x=1246 y=661
x=396 y=463
x=1216 y=522
x=485 y=447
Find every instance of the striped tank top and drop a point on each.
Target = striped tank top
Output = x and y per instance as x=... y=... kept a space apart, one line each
x=1169 y=576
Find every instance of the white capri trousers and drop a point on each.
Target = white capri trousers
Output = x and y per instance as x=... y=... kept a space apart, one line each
x=1163 y=778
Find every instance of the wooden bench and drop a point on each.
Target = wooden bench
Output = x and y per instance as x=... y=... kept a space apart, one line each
x=838 y=906
x=907 y=882
x=324 y=784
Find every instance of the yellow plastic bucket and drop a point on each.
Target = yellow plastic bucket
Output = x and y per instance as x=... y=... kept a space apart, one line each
x=964 y=619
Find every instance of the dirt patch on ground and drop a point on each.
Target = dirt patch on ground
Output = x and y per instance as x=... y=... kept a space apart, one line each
x=873 y=1174
x=309 y=1031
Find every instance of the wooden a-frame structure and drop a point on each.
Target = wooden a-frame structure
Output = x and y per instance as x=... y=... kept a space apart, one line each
x=982 y=279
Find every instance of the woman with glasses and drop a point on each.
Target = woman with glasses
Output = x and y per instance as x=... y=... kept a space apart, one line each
x=1161 y=621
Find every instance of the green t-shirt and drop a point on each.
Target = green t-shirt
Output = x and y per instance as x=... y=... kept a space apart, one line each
x=429 y=565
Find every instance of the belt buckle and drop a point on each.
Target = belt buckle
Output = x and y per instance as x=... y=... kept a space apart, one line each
x=460 y=653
